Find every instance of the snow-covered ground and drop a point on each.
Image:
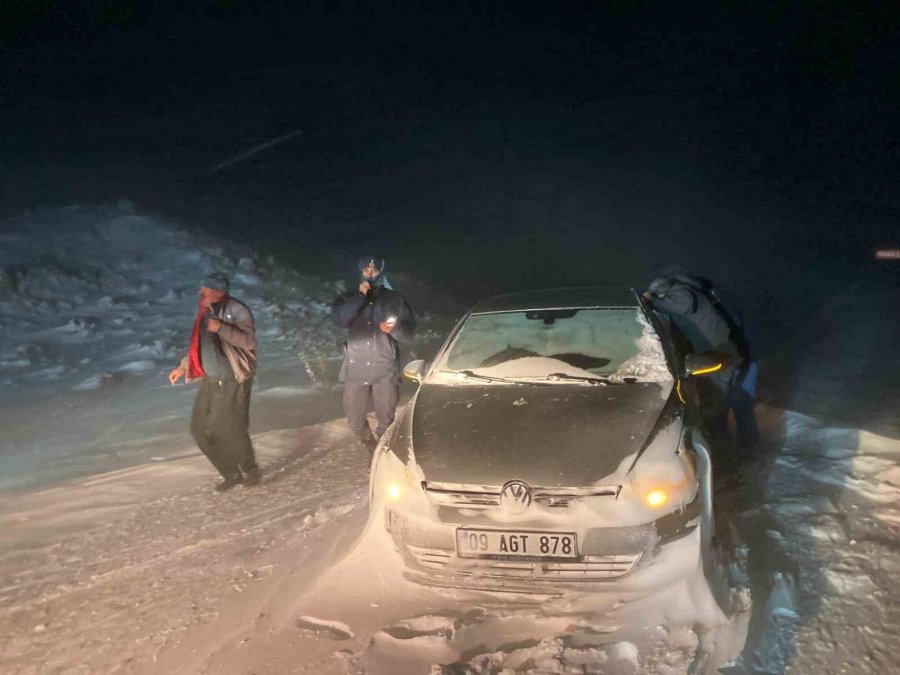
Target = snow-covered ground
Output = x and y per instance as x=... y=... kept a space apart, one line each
x=144 y=569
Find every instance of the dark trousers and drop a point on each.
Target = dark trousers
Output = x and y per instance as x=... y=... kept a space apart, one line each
x=745 y=418
x=220 y=423
x=384 y=396
x=731 y=396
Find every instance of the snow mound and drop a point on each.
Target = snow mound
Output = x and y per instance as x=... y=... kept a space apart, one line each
x=832 y=542
x=88 y=291
x=333 y=630
x=97 y=305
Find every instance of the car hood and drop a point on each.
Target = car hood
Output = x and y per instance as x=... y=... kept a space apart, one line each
x=559 y=435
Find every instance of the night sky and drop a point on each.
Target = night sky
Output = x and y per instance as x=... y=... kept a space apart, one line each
x=478 y=148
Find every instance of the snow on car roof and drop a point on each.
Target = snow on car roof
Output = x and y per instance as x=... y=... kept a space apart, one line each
x=581 y=297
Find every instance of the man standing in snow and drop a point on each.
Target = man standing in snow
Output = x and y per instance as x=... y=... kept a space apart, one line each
x=710 y=323
x=377 y=318
x=222 y=356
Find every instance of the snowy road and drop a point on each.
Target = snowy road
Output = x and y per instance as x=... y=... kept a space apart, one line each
x=114 y=571
x=145 y=570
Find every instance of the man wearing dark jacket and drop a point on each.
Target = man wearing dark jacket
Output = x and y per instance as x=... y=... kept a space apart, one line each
x=377 y=318
x=222 y=355
x=710 y=323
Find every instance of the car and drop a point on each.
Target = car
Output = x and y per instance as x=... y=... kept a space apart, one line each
x=554 y=442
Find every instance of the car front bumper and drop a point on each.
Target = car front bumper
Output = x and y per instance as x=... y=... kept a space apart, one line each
x=606 y=554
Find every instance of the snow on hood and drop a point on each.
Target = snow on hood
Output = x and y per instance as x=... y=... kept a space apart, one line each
x=489 y=434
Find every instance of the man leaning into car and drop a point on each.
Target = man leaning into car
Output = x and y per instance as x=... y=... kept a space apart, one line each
x=711 y=324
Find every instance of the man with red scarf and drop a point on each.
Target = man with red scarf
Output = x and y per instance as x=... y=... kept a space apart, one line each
x=222 y=356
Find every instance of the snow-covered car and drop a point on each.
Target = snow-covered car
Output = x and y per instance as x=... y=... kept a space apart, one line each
x=548 y=443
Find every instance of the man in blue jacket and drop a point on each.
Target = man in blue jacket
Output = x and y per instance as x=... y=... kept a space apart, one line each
x=377 y=319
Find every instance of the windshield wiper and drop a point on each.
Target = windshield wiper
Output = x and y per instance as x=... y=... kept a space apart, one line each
x=595 y=380
x=470 y=375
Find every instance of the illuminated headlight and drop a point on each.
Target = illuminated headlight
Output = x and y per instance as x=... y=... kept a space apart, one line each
x=395 y=492
x=395 y=482
x=656 y=498
x=664 y=486
x=656 y=494
x=398 y=484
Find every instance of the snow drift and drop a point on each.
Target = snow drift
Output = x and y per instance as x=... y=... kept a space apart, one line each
x=96 y=306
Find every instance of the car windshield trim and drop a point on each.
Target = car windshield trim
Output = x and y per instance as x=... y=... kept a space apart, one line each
x=539 y=308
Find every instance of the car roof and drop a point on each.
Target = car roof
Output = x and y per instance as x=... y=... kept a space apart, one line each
x=581 y=297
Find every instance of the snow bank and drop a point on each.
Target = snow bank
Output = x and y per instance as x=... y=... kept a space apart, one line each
x=830 y=526
x=96 y=307
x=92 y=290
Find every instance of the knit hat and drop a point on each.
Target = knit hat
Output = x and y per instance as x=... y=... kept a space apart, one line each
x=215 y=281
x=373 y=260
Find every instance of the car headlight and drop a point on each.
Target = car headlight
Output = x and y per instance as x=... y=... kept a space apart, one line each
x=656 y=498
x=395 y=490
x=664 y=480
x=656 y=492
x=396 y=482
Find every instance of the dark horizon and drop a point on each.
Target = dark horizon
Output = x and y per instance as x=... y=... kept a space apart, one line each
x=528 y=147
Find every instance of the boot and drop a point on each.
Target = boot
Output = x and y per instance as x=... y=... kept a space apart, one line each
x=251 y=476
x=229 y=482
x=368 y=441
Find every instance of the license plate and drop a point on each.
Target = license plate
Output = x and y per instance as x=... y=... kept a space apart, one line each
x=515 y=544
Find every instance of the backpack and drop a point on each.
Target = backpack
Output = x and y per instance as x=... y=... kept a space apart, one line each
x=723 y=307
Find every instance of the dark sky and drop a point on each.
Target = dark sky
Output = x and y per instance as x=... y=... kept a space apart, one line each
x=538 y=145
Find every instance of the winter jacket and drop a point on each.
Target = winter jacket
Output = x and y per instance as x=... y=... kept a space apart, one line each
x=370 y=354
x=709 y=324
x=698 y=319
x=237 y=336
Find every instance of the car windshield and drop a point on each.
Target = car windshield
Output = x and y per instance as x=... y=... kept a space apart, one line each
x=556 y=345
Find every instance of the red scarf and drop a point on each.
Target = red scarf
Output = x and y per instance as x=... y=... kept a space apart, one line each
x=195 y=368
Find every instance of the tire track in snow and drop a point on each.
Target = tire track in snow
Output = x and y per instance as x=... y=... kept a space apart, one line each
x=87 y=599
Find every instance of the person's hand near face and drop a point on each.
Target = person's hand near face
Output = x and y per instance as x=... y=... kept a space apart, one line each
x=369 y=273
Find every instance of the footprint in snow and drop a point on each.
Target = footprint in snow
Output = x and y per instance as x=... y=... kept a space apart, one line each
x=422 y=626
x=332 y=630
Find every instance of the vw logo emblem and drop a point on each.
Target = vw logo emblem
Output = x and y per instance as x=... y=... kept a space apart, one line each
x=515 y=497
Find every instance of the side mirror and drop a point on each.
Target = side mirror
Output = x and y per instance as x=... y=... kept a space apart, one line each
x=415 y=370
x=697 y=365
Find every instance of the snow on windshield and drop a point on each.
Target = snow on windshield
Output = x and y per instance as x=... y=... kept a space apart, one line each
x=586 y=342
x=649 y=363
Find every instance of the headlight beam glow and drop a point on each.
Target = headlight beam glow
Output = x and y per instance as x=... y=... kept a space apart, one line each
x=656 y=498
x=394 y=492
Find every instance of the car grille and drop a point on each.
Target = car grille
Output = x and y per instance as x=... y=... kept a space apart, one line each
x=589 y=568
x=485 y=497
